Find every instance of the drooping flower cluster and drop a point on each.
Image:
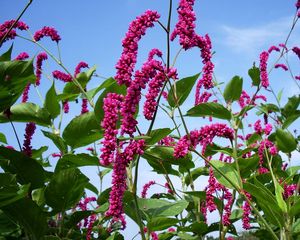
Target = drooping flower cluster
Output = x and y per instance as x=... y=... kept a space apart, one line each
x=246 y=212
x=119 y=175
x=212 y=188
x=25 y=93
x=62 y=76
x=47 y=32
x=263 y=69
x=111 y=107
x=263 y=147
x=22 y=56
x=79 y=66
x=289 y=190
x=280 y=65
x=38 y=67
x=146 y=188
x=29 y=131
x=4 y=29
x=296 y=50
x=66 y=106
x=204 y=137
x=127 y=61
x=273 y=48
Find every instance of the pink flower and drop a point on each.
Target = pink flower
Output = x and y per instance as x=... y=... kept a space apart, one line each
x=22 y=56
x=289 y=190
x=146 y=187
x=273 y=48
x=246 y=212
x=29 y=131
x=279 y=65
x=244 y=99
x=12 y=34
x=264 y=145
x=84 y=106
x=66 y=106
x=257 y=127
x=171 y=230
x=268 y=128
x=297 y=4
x=56 y=155
x=154 y=52
x=62 y=76
x=167 y=141
x=136 y=30
x=296 y=50
x=25 y=93
x=46 y=32
x=168 y=187
x=111 y=107
x=297 y=78
x=79 y=67
x=263 y=69
x=38 y=72
x=227 y=208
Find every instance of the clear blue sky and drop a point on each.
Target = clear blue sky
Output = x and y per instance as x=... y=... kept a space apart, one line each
x=92 y=31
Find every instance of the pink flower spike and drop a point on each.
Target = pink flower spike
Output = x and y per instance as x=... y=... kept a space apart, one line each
x=297 y=4
x=22 y=56
x=263 y=69
x=46 y=32
x=273 y=48
x=296 y=50
x=62 y=76
x=146 y=187
x=79 y=67
x=38 y=67
x=29 y=131
x=25 y=93
x=280 y=65
x=297 y=78
x=66 y=106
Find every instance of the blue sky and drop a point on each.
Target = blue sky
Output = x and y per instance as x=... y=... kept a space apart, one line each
x=92 y=31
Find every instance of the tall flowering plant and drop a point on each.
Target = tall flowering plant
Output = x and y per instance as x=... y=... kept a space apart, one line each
x=245 y=169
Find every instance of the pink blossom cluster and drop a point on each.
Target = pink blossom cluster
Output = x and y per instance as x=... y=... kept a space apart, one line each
x=125 y=65
x=79 y=66
x=62 y=76
x=4 y=28
x=25 y=93
x=264 y=145
x=169 y=189
x=204 y=136
x=263 y=69
x=111 y=107
x=29 y=131
x=273 y=48
x=283 y=66
x=55 y=155
x=246 y=212
x=84 y=106
x=296 y=50
x=146 y=188
x=47 y=32
x=289 y=190
x=212 y=188
x=66 y=106
x=38 y=72
x=153 y=235
x=22 y=56
x=167 y=141
x=119 y=175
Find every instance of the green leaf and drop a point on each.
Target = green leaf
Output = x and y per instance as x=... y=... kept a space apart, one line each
x=161 y=208
x=295 y=209
x=157 y=135
x=229 y=171
x=65 y=189
x=233 y=89
x=12 y=193
x=161 y=223
x=14 y=76
x=27 y=112
x=285 y=141
x=279 y=197
x=291 y=106
x=27 y=169
x=290 y=119
x=114 y=87
x=51 y=103
x=3 y=138
x=167 y=154
x=91 y=93
x=209 y=109
x=116 y=236
x=254 y=73
x=183 y=88
x=27 y=214
x=7 y=55
x=57 y=140
x=200 y=171
x=266 y=200
x=8 y=228
x=79 y=160
x=82 y=130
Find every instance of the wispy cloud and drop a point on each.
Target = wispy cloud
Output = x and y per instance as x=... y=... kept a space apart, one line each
x=253 y=38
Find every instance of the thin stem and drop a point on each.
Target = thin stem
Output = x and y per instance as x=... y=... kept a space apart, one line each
x=15 y=132
x=16 y=21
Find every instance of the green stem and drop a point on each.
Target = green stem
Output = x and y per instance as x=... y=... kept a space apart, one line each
x=15 y=132
x=16 y=21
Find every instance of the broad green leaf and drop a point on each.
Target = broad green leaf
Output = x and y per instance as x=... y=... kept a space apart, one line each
x=27 y=169
x=266 y=200
x=199 y=228
x=92 y=188
x=7 y=55
x=167 y=154
x=65 y=189
x=51 y=103
x=290 y=119
x=232 y=179
x=74 y=218
x=14 y=76
x=183 y=88
x=29 y=216
x=28 y=112
x=91 y=93
x=291 y=106
x=67 y=97
x=3 y=138
x=161 y=223
x=233 y=89
x=295 y=209
x=114 y=87
x=115 y=236
x=285 y=141
x=82 y=130
x=279 y=197
x=209 y=109
x=200 y=171
x=12 y=193
x=254 y=73
x=8 y=227
x=82 y=78
x=57 y=140
x=79 y=160
x=157 y=135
